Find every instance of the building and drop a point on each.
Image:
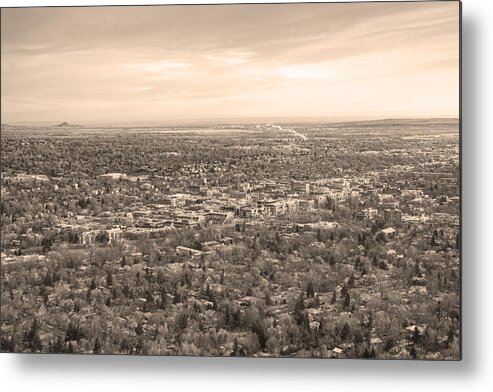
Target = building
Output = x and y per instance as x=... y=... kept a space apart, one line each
x=114 y=176
x=189 y=220
x=291 y=205
x=210 y=245
x=392 y=217
x=114 y=235
x=87 y=237
x=183 y=250
x=388 y=233
x=370 y=213
x=322 y=225
x=244 y=212
x=154 y=223
x=306 y=205
x=274 y=207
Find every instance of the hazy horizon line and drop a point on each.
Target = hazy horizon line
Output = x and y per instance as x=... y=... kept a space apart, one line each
x=177 y=121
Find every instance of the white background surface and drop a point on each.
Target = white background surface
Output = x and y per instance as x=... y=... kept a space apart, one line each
x=473 y=373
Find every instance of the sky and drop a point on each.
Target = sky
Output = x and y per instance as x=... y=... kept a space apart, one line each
x=161 y=63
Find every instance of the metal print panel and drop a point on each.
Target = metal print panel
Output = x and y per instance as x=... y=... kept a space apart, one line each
x=267 y=180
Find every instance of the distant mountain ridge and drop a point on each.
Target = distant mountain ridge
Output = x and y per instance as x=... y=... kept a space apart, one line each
x=40 y=124
x=66 y=125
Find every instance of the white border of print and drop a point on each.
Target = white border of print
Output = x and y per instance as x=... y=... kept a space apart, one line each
x=89 y=373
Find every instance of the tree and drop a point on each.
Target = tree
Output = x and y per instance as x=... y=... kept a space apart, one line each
x=238 y=351
x=299 y=308
x=208 y=292
x=347 y=299
x=103 y=237
x=433 y=239
x=358 y=337
x=45 y=298
x=58 y=346
x=344 y=291
x=109 y=279
x=139 y=329
x=73 y=332
x=182 y=321
x=97 y=347
x=46 y=243
x=416 y=335
x=126 y=291
x=8 y=344
x=32 y=337
x=197 y=245
x=261 y=332
x=389 y=343
x=82 y=203
x=164 y=296
x=381 y=237
x=73 y=238
x=334 y=297
x=450 y=335
x=345 y=332
x=149 y=304
x=268 y=299
x=310 y=291
x=48 y=280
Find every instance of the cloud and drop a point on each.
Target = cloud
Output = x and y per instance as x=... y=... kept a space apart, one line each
x=306 y=72
x=229 y=57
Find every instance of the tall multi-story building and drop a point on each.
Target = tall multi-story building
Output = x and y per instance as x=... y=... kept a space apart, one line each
x=392 y=217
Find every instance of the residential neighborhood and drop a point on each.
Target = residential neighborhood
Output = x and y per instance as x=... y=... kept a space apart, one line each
x=233 y=239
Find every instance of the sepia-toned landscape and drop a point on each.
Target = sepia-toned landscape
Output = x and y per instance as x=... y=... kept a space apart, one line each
x=315 y=233
x=249 y=240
